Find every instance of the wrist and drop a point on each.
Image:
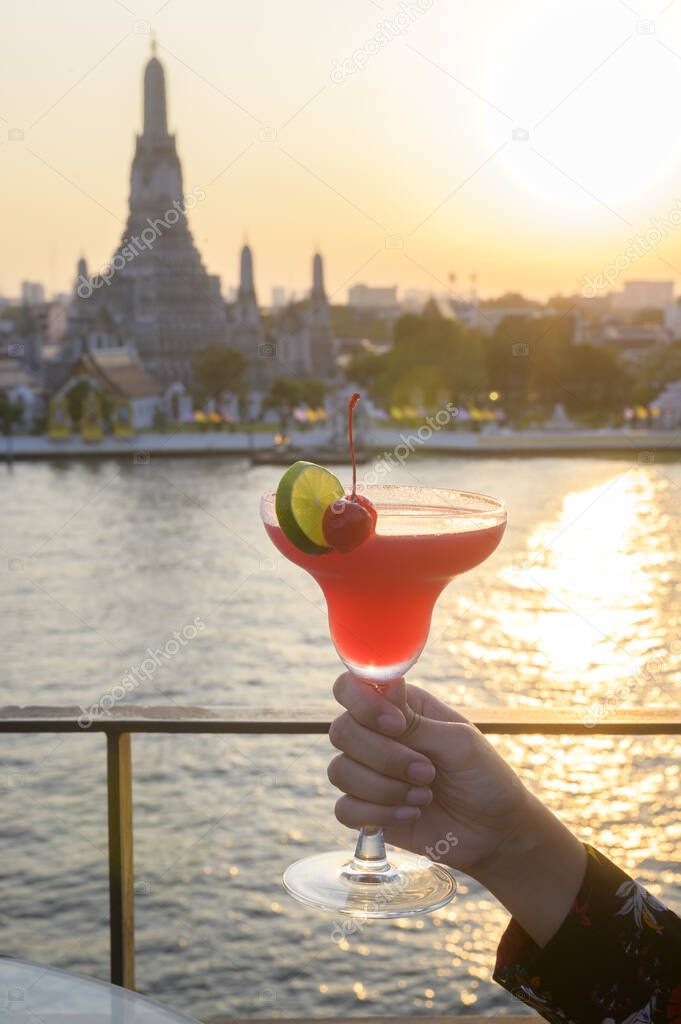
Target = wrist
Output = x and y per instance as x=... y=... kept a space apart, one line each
x=536 y=871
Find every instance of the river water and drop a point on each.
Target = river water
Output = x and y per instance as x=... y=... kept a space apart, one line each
x=100 y=562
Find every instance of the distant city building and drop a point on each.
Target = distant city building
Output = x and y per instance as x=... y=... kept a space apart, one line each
x=672 y=318
x=414 y=299
x=21 y=357
x=21 y=386
x=52 y=319
x=364 y=296
x=487 y=316
x=278 y=297
x=637 y=295
x=32 y=293
x=289 y=347
x=22 y=338
x=631 y=342
x=599 y=305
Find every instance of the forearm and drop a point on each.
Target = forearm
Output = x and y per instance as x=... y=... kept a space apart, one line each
x=616 y=955
x=536 y=872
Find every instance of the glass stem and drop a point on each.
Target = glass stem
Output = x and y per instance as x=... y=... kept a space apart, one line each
x=370 y=857
x=370 y=850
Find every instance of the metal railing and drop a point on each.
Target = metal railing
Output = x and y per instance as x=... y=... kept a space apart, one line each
x=122 y=721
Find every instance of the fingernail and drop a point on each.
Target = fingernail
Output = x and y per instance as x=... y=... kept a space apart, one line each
x=420 y=773
x=406 y=813
x=419 y=795
x=391 y=724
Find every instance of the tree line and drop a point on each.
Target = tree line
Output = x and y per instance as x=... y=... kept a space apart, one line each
x=529 y=364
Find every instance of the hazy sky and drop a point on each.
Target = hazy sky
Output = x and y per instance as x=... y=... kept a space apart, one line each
x=402 y=170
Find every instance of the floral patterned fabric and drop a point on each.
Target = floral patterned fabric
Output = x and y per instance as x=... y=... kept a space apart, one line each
x=616 y=959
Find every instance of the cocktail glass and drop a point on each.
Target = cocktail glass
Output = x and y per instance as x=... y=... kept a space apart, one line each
x=380 y=599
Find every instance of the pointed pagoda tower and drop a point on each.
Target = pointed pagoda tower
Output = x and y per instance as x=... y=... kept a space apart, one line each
x=318 y=290
x=156 y=174
x=318 y=321
x=82 y=276
x=246 y=306
x=160 y=291
x=246 y=332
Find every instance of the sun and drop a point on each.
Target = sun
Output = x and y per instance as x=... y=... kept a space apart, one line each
x=580 y=93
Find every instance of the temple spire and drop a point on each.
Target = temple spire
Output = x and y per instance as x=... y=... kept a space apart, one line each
x=246 y=282
x=155 y=118
x=318 y=325
x=318 y=291
x=246 y=306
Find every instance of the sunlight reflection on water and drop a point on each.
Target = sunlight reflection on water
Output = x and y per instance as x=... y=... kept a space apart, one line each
x=580 y=595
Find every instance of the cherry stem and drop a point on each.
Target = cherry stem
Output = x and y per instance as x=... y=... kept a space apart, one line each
x=352 y=402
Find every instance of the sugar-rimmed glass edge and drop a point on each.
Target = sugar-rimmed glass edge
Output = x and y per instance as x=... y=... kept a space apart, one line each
x=487 y=507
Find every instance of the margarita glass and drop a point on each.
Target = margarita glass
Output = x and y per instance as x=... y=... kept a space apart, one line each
x=380 y=598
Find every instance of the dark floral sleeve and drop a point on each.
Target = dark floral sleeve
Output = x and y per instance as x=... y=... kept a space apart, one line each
x=616 y=959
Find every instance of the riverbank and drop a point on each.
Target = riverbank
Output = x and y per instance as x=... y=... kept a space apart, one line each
x=387 y=442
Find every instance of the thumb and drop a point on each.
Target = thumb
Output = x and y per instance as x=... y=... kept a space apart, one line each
x=445 y=743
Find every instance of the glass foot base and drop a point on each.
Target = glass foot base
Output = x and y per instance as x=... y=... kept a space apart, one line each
x=338 y=882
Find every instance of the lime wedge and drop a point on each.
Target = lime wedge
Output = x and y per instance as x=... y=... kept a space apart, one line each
x=304 y=493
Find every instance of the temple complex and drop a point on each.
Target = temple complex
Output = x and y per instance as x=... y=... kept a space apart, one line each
x=159 y=295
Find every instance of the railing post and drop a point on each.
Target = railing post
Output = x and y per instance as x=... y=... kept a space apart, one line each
x=121 y=876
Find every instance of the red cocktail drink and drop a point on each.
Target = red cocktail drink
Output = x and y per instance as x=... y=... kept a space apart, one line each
x=380 y=596
x=382 y=558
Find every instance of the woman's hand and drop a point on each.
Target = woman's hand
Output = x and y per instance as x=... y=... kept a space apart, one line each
x=431 y=780
x=422 y=772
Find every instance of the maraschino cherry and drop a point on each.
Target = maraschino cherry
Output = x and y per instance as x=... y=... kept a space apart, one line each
x=349 y=521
